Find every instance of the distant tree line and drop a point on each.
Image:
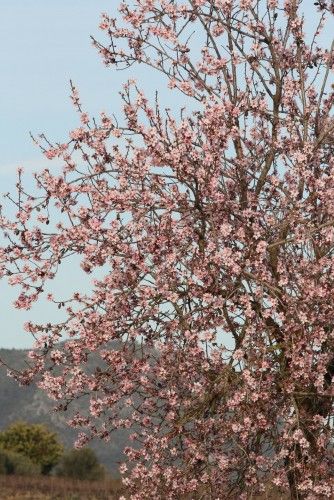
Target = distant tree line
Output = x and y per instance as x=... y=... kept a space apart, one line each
x=31 y=449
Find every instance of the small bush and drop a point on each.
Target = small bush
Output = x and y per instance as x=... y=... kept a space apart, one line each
x=80 y=464
x=15 y=463
x=35 y=442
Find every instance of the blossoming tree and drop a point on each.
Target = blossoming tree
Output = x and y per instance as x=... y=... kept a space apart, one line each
x=213 y=231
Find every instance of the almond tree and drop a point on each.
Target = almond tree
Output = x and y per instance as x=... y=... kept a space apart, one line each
x=213 y=229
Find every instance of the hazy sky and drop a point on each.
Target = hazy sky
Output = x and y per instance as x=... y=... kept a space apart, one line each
x=44 y=44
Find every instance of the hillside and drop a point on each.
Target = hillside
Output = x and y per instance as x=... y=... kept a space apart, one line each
x=32 y=405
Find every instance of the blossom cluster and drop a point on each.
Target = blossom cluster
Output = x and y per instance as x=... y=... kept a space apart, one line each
x=209 y=239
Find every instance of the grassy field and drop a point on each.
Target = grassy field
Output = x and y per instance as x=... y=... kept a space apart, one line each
x=52 y=488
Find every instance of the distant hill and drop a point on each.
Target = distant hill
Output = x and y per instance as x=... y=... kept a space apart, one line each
x=32 y=405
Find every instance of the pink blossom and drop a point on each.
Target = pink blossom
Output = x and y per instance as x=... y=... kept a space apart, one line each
x=206 y=232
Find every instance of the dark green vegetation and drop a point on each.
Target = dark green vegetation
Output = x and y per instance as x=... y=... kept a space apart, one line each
x=80 y=464
x=30 y=449
x=17 y=464
x=35 y=442
x=34 y=465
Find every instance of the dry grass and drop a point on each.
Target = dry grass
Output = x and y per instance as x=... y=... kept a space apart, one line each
x=52 y=488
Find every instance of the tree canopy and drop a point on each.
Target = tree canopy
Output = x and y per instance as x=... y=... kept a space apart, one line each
x=80 y=464
x=33 y=441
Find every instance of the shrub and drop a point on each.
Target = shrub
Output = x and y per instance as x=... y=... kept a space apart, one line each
x=35 y=442
x=80 y=464
x=16 y=463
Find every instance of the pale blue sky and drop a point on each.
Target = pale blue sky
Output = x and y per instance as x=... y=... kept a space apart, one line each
x=44 y=44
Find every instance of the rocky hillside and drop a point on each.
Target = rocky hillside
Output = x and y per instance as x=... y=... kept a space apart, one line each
x=32 y=405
